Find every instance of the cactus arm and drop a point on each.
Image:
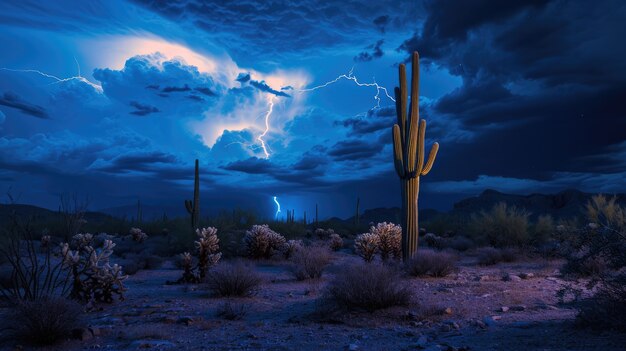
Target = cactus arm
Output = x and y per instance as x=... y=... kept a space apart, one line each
x=415 y=86
x=413 y=152
x=431 y=159
x=420 y=146
x=397 y=151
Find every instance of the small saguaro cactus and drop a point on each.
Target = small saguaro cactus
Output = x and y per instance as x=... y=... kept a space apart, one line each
x=408 y=155
x=193 y=207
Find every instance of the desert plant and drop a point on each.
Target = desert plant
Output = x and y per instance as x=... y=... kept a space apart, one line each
x=430 y=263
x=138 y=235
x=366 y=246
x=389 y=240
x=231 y=311
x=236 y=279
x=408 y=155
x=489 y=256
x=309 y=263
x=93 y=278
x=335 y=242
x=502 y=226
x=291 y=247
x=45 y=320
x=542 y=229
x=324 y=234
x=208 y=248
x=368 y=287
x=193 y=206
x=262 y=242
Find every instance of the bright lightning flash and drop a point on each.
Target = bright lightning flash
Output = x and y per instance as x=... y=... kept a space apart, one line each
x=277 y=207
x=57 y=79
x=267 y=129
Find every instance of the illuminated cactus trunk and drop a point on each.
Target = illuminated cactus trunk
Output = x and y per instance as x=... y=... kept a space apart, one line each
x=408 y=155
x=193 y=207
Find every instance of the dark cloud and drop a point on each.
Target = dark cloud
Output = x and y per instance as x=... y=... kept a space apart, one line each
x=142 y=109
x=205 y=91
x=354 y=150
x=381 y=22
x=176 y=89
x=11 y=100
x=264 y=87
x=243 y=77
x=376 y=52
x=141 y=161
x=252 y=165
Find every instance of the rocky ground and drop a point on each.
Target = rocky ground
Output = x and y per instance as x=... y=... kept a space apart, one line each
x=510 y=306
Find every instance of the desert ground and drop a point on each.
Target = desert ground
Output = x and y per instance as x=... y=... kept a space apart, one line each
x=507 y=306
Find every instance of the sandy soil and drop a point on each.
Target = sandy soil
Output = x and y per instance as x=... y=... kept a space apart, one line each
x=461 y=312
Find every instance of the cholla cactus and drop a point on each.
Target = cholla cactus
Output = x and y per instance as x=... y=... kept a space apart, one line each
x=366 y=246
x=336 y=242
x=138 y=235
x=390 y=240
x=291 y=247
x=324 y=234
x=262 y=242
x=208 y=249
x=186 y=262
x=94 y=279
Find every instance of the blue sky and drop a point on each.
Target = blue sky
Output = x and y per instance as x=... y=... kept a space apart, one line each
x=114 y=100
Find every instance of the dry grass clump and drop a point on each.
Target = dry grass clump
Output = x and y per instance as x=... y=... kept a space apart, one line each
x=433 y=264
x=368 y=287
x=309 y=263
x=45 y=321
x=233 y=279
x=231 y=311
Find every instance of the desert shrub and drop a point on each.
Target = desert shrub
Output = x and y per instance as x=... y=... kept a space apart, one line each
x=93 y=278
x=236 y=279
x=262 y=242
x=489 y=256
x=366 y=246
x=430 y=263
x=502 y=226
x=389 y=240
x=138 y=235
x=291 y=247
x=433 y=240
x=231 y=311
x=335 y=242
x=368 y=287
x=207 y=250
x=309 y=263
x=324 y=234
x=542 y=230
x=459 y=243
x=599 y=250
x=45 y=320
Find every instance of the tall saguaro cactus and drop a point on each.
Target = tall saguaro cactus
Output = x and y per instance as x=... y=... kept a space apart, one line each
x=193 y=207
x=408 y=155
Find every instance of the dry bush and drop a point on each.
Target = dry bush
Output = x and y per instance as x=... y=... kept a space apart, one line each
x=138 y=235
x=335 y=242
x=309 y=263
x=489 y=256
x=262 y=242
x=291 y=247
x=45 y=321
x=368 y=287
x=234 y=279
x=433 y=264
x=366 y=246
x=502 y=226
x=324 y=234
x=231 y=311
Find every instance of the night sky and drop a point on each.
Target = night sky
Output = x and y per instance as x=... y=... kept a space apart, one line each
x=114 y=100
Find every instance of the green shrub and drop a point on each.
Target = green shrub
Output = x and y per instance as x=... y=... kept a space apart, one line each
x=502 y=226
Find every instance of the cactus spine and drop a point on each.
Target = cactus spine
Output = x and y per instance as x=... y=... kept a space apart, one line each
x=193 y=207
x=408 y=155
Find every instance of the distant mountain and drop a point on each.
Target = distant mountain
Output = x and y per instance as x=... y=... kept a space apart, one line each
x=568 y=203
x=44 y=215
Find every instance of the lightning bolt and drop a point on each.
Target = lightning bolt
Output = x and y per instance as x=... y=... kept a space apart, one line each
x=57 y=80
x=277 y=207
x=350 y=76
x=268 y=114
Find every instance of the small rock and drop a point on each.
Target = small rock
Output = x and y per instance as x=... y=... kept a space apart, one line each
x=483 y=278
x=504 y=309
x=353 y=347
x=489 y=321
x=169 y=320
x=512 y=278
x=480 y=324
x=448 y=310
x=82 y=334
x=526 y=275
x=185 y=320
